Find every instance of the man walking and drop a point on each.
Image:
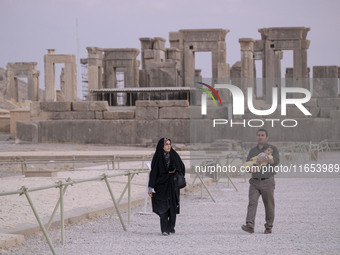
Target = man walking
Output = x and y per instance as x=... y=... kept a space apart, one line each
x=262 y=183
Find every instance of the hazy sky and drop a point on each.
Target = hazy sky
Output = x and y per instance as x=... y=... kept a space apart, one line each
x=29 y=27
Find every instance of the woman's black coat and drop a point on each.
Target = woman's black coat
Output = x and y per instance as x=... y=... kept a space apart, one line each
x=166 y=194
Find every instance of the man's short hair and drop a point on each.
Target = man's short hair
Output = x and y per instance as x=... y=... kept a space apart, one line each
x=263 y=130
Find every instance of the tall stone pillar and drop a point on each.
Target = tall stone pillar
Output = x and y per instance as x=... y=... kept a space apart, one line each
x=95 y=66
x=277 y=81
x=174 y=55
x=269 y=72
x=220 y=72
x=70 y=81
x=12 y=86
x=247 y=64
x=278 y=58
x=189 y=66
x=50 y=79
x=147 y=52
x=32 y=87
x=300 y=72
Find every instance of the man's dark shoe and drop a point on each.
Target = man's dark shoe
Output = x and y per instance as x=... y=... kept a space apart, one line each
x=247 y=228
x=268 y=231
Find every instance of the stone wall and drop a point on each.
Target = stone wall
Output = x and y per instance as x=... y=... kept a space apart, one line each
x=96 y=123
x=4 y=121
x=18 y=115
x=93 y=122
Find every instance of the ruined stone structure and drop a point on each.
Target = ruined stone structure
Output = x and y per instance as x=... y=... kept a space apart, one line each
x=174 y=67
x=161 y=67
x=189 y=41
x=68 y=79
x=95 y=67
x=22 y=70
x=104 y=64
x=270 y=51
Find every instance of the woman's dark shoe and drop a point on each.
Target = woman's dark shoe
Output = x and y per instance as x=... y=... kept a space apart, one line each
x=172 y=231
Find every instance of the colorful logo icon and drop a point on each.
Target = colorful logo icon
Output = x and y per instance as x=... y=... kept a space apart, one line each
x=207 y=91
x=204 y=97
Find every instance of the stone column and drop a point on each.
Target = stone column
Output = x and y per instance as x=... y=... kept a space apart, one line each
x=220 y=68
x=189 y=66
x=146 y=44
x=269 y=71
x=50 y=81
x=300 y=72
x=32 y=90
x=70 y=72
x=277 y=81
x=159 y=49
x=247 y=64
x=278 y=57
x=174 y=55
x=36 y=85
x=95 y=65
x=12 y=85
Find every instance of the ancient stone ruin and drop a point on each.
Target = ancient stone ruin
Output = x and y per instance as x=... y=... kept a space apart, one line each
x=22 y=70
x=68 y=78
x=117 y=77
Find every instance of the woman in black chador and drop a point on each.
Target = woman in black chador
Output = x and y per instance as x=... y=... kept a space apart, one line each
x=165 y=198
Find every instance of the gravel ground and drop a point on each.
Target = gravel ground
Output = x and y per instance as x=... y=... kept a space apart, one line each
x=307 y=222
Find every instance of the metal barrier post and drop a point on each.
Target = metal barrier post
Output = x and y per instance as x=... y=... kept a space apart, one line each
x=124 y=190
x=123 y=193
x=74 y=159
x=114 y=201
x=202 y=180
x=146 y=196
x=54 y=211
x=205 y=186
x=24 y=191
x=61 y=199
x=129 y=197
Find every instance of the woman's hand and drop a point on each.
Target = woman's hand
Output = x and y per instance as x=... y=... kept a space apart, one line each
x=150 y=193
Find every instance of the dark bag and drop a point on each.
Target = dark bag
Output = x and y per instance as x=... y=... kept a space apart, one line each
x=180 y=180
